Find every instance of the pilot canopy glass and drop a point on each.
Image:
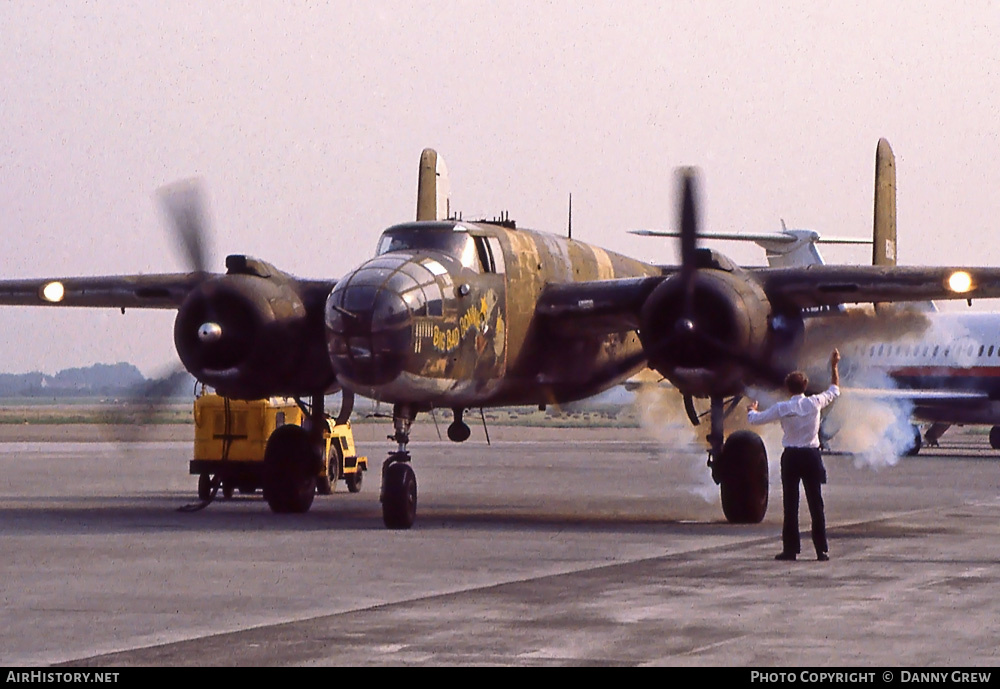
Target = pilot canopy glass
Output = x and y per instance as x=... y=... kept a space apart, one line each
x=443 y=237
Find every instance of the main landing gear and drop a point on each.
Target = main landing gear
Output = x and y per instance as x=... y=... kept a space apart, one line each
x=293 y=460
x=739 y=467
x=399 y=482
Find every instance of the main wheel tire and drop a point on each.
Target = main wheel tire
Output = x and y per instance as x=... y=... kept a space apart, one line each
x=399 y=496
x=291 y=464
x=228 y=488
x=743 y=468
x=354 y=481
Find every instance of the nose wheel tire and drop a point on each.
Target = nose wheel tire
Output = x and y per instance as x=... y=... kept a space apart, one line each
x=399 y=496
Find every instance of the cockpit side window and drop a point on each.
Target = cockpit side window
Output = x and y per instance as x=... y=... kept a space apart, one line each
x=499 y=266
x=490 y=255
x=485 y=259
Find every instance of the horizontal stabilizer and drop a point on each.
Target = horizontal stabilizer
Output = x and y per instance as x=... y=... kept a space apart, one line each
x=785 y=249
x=779 y=237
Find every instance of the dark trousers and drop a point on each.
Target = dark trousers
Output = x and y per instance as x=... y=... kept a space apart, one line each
x=803 y=464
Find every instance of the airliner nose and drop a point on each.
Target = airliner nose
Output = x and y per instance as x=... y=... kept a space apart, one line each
x=369 y=330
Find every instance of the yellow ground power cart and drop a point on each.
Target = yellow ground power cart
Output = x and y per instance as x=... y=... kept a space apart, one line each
x=230 y=437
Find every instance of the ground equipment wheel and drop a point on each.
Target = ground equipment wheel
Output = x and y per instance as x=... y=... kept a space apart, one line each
x=995 y=437
x=204 y=487
x=325 y=485
x=354 y=481
x=916 y=443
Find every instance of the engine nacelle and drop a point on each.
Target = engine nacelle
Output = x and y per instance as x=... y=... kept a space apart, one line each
x=707 y=344
x=254 y=333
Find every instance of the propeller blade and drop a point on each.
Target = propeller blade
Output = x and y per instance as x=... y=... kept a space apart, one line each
x=688 y=219
x=183 y=204
x=146 y=404
x=688 y=237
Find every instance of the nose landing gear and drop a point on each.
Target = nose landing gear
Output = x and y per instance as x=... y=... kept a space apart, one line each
x=399 y=482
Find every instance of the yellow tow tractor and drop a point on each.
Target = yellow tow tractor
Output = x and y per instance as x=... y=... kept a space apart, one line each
x=230 y=437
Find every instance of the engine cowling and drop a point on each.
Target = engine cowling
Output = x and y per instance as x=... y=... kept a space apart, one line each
x=711 y=343
x=255 y=333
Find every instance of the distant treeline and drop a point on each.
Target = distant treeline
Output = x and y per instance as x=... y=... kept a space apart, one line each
x=100 y=380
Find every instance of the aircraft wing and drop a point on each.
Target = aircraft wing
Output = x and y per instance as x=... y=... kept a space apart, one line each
x=598 y=306
x=614 y=305
x=163 y=291
x=825 y=285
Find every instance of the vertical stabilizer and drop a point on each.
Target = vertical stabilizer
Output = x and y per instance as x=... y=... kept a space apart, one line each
x=884 y=230
x=433 y=190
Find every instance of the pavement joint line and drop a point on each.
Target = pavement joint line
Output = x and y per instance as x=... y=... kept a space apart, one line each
x=674 y=556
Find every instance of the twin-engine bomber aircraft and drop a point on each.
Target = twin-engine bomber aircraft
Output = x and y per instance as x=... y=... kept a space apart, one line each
x=455 y=314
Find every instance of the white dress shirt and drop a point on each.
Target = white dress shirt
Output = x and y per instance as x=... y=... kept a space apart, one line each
x=799 y=417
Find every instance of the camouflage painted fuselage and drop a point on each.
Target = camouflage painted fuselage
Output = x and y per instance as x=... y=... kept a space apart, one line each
x=446 y=315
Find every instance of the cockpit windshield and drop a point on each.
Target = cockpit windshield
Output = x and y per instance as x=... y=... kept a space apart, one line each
x=448 y=238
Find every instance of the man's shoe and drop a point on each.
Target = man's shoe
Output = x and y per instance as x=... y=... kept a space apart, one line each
x=785 y=556
x=822 y=557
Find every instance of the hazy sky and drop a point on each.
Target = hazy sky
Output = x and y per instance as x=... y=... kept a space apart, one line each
x=306 y=122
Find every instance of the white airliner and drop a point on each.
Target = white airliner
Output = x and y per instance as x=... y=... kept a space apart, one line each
x=944 y=367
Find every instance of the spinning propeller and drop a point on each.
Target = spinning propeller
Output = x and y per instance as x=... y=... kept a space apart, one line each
x=183 y=203
x=708 y=323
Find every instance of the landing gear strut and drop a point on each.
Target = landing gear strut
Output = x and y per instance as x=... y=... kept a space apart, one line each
x=739 y=467
x=399 y=482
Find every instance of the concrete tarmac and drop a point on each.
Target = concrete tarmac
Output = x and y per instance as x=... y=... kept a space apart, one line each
x=550 y=547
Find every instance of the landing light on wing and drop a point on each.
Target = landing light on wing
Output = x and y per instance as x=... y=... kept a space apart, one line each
x=960 y=282
x=53 y=292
